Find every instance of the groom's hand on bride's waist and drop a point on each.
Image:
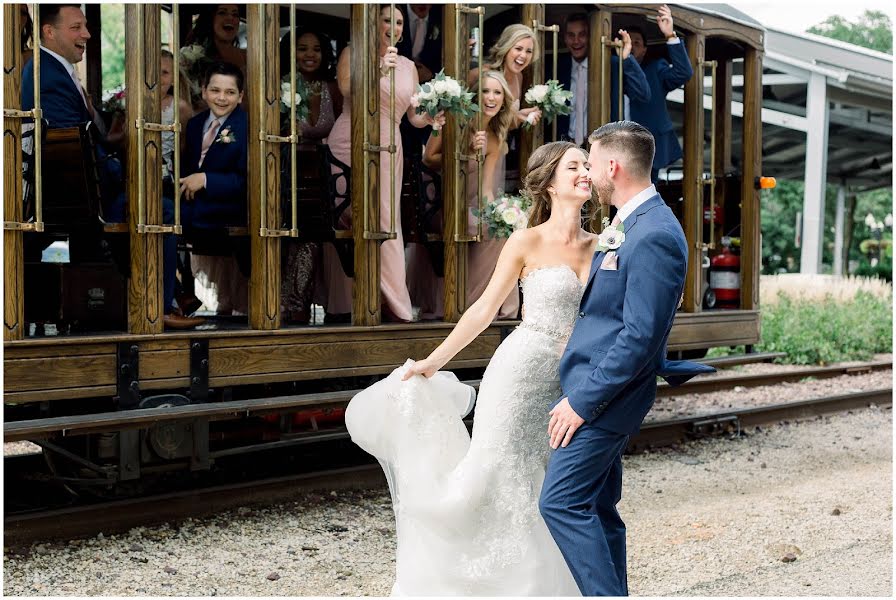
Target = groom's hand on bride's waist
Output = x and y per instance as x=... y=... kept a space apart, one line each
x=564 y=423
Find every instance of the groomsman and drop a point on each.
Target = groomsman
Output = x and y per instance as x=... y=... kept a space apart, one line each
x=422 y=43
x=573 y=74
x=663 y=76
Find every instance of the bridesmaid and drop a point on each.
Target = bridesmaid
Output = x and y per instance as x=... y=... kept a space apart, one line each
x=316 y=65
x=512 y=54
x=497 y=119
x=335 y=293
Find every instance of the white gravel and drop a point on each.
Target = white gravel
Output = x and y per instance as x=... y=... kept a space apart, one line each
x=690 y=405
x=708 y=518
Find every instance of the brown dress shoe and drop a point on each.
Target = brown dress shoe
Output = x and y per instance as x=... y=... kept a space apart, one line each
x=180 y=322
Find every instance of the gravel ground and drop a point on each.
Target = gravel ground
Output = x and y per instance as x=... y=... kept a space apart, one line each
x=689 y=405
x=714 y=517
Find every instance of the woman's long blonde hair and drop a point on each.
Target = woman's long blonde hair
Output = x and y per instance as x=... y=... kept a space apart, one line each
x=509 y=37
x=500 y=124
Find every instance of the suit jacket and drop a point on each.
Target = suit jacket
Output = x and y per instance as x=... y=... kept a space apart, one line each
x=634 y=85
x=663 y=76
x=60 y=99
x=223 y=201
x=431 y=54
x=618 y=346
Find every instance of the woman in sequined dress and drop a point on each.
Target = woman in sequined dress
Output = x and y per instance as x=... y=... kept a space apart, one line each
x=316 y=65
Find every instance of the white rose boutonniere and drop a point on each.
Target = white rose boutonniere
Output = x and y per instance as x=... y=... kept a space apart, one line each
x=435 y=33
x=611 y=237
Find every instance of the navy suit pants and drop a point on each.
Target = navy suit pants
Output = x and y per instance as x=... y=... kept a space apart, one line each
x=582 y=486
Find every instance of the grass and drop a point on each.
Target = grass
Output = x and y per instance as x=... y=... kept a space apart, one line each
x=820 y=319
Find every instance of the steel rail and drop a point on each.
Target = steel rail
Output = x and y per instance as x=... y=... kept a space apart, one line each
x=110 y=517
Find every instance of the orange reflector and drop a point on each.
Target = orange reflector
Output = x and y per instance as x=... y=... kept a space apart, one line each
x=767 y=183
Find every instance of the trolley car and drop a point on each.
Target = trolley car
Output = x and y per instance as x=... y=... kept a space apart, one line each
x=114 y=394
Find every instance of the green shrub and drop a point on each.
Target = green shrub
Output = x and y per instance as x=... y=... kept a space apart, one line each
x=821 y=332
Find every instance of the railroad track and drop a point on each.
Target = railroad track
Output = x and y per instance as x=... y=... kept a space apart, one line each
x=118 y=516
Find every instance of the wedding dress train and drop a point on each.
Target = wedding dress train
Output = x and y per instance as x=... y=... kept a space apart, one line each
x=466 y=510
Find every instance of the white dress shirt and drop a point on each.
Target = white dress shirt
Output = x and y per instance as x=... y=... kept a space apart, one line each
x=576 y=69
x=640 y=198
x=412 y=24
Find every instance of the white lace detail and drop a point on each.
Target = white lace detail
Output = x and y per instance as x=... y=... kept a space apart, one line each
x=467 y=510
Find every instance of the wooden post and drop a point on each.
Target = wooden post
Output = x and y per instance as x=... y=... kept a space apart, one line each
x=599 y=84
x=692 y=184
x=262 y=21
x=365 y=102
x=454 y=180
x=750 y=248
x=534 y=137
x=142 y=43
x=13 y=259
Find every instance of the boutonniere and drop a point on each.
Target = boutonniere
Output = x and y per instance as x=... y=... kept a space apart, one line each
x=611 y=237
x=225 y=136
x=435 y=33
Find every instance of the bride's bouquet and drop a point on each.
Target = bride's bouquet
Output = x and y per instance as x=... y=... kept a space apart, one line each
x=443 y=93
x=550 y=98
x=298 y=96
x=505 y=214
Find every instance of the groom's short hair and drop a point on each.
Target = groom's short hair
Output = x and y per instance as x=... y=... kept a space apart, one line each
x=629 y=138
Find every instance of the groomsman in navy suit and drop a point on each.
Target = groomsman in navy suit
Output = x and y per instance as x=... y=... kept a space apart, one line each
x=422 y=43
x=572 y=72
x=663 y=76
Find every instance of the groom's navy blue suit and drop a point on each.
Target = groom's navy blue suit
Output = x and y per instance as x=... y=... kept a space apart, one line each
x=608 y=372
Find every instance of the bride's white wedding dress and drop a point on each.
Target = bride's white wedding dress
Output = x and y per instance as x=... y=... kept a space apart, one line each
x=466 y=510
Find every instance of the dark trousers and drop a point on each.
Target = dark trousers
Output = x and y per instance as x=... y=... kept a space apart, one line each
x=582 y=486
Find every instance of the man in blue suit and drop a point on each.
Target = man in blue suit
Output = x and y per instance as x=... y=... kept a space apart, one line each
x=63 y=41
x=213 y=174
x=572 y=73
x=609 y=368
x=422 y=43
x=663 y=76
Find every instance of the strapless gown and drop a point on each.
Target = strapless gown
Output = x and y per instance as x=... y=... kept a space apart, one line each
x=466 y=509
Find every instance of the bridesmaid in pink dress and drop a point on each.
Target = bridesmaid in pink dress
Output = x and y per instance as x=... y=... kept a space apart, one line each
x=498 y=117
x=335 y=293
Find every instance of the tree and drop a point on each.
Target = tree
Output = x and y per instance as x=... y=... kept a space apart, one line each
x=873 y=29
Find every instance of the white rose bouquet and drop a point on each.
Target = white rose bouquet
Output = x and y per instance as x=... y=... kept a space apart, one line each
x=115 y=100
x=443 y=93
x=550 y=98
x=299 y=96
x=505 y=214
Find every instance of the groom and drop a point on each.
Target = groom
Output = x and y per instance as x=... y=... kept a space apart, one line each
x=618 y=347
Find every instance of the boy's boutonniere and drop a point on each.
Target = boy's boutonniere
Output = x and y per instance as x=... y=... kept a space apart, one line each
x=225 y=136
x=611 y=237
x=435 y=33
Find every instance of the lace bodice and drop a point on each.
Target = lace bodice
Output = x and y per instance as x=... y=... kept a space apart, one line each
x=551 y=297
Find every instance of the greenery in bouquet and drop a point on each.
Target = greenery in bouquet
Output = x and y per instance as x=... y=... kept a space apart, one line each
x=300 y=96
x=550 y=98
x=114 y=100
x=505 y=214
x=444 y=93
x=194 y=60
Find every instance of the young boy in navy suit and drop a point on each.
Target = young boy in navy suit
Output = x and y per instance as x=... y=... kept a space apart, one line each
x=213 y=173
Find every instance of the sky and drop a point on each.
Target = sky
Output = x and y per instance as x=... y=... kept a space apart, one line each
x=797 y=16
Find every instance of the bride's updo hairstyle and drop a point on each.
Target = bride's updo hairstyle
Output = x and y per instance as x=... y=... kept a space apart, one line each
x=540 y=173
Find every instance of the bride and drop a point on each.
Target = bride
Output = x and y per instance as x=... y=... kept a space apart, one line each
x=466 y=510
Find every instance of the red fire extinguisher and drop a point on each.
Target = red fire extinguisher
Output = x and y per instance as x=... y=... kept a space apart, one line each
x=724 y=277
